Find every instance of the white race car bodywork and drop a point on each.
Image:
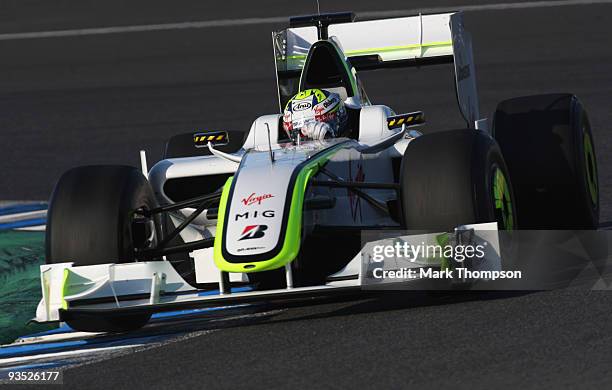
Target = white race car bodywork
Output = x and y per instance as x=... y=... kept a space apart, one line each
x=349 y=161
x=263 y=170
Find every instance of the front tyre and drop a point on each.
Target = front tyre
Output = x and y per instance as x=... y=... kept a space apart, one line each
x=92 y=216
x=454 y=178
x=93 y=219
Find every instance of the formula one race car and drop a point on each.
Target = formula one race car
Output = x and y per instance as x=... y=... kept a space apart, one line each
x=230 y=217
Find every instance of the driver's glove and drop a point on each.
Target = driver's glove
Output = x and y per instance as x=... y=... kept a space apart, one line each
x=317 y=130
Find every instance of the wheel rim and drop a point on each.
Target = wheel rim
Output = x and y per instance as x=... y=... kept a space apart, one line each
x=591 y=170
x=504 y=212
x=143 y=230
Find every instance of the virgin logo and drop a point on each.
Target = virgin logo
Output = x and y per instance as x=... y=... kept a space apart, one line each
x=256 y=199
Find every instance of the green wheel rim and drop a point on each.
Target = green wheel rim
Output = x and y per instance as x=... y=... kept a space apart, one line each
x=503 y=200
x=591 y=169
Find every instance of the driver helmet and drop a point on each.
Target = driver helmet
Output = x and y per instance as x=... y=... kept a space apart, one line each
x=314 y=105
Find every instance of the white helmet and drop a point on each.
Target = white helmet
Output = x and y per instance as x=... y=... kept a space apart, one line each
x=306 y=111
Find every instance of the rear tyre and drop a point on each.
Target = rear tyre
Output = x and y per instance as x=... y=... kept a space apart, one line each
x=92 y=220
x=548 y=146
x=454 y=178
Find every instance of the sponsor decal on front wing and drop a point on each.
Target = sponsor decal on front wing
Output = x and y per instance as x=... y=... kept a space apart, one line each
x=256 y=199
x=251 y=232
x=255 y=214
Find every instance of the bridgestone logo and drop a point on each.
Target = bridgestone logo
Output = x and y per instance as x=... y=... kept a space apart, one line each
x=253 y=231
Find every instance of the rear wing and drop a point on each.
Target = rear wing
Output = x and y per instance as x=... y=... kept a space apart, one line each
x=376 y=44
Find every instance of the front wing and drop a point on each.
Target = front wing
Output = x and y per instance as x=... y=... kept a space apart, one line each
x=155 y=286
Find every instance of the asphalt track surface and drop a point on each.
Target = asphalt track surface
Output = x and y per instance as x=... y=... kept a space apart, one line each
x=89 y=99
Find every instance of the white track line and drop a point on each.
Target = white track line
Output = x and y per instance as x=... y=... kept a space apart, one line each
x=23 y=216
x=283 y=19
x=21 y=359
x=40 y=228
x=52 y=338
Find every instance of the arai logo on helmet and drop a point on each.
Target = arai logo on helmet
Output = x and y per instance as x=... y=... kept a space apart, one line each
x=301 y=106
x=253 y=199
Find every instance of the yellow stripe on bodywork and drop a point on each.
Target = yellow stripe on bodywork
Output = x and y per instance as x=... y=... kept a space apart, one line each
x=64 y=288
x=397 y=48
